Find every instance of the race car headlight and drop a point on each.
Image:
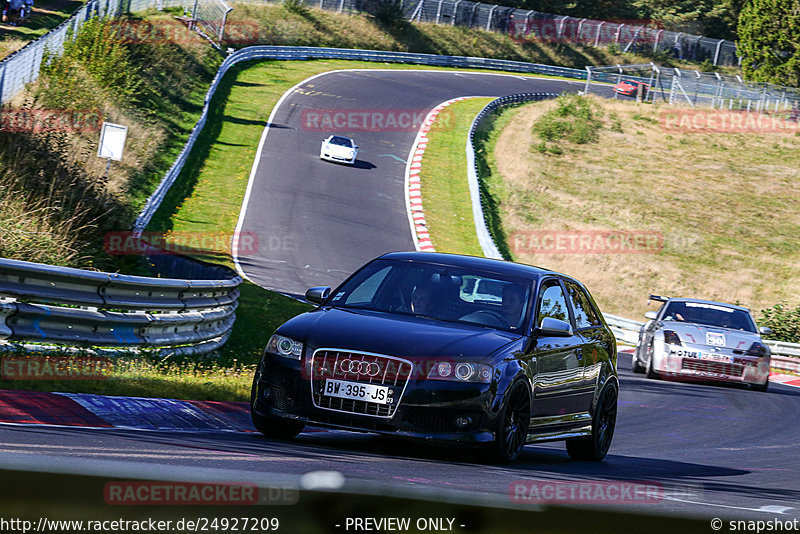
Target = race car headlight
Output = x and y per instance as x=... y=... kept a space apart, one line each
x=461 y=372
x=671 y=337
x=351 y=153
x=758 y=349
x=286 y=347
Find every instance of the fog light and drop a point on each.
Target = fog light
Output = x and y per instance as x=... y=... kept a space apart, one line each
x=266 y=393
x=463 y=421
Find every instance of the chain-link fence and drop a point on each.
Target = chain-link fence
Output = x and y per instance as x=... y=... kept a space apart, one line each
x=696 y=89
x=642 y=36
x=22 y=67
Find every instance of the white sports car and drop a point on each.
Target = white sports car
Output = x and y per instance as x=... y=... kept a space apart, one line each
x=703 y=340
x=339 y=149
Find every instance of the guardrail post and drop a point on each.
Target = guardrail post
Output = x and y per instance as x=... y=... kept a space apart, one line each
x=588 y=79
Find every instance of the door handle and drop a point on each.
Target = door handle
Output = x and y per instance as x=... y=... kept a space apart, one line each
x=579 y=353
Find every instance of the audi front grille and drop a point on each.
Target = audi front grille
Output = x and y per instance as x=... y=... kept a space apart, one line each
x=360 y=367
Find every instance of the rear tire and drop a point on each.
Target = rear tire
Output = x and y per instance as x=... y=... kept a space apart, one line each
x=271 y=426
x=595 y=447
x=512 y=426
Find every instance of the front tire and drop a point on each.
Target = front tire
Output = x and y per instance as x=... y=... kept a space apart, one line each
x=651 y=373
x=761 y=387
x=636 y=365
x=595 y=447
x=512 y=426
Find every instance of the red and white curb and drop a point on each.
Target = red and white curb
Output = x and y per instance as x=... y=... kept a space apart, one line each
x=416 y=214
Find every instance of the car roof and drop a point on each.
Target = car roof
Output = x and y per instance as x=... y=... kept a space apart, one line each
x=475 y=262
x=714 y=302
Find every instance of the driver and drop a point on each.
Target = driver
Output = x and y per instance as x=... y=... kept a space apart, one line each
x=422 y=300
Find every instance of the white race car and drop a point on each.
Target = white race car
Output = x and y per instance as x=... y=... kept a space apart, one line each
x=704 y=340
x=339 y=149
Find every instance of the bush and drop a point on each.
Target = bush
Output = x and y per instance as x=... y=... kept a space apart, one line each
x=574 y=119
x=388 y=13
x=784 y=322
x=296 y=6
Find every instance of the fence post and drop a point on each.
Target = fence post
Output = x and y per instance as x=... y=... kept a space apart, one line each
x=489 y=22
x=455 y=12
x=341 y=6
x=588 y=78
x=439 y=11
x=655 y=44
x=597 y=35
x=616 y=35
x=580 y=29
x=716 y=52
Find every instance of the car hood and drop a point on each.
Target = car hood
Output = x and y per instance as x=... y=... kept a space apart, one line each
x=697 y=334
x=394 y=334
x=339 y=150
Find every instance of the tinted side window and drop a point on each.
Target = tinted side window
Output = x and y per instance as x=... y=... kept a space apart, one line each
x=552 y=302
x=585 y=315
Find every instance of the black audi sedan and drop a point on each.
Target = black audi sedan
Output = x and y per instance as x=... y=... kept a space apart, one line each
x=483 y=352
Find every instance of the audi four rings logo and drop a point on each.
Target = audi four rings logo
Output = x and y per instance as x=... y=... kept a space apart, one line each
x=359 y=367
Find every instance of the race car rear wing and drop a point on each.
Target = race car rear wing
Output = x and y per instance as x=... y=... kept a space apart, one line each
x=657 y=298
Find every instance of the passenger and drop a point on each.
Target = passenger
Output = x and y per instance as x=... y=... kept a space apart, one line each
x=513 y=296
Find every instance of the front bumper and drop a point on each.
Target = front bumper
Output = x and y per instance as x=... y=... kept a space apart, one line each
x=428 y=409
x=336 y=159
x=699 y=363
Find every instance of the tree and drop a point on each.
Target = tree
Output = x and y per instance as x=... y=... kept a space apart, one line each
x=769 y=41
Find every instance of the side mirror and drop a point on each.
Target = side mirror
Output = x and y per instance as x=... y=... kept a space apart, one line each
x=651 y=315
x=765 y=331
x=555 y=327
x=317 y=295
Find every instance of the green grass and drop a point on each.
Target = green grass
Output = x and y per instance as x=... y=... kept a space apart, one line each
x=447 y=202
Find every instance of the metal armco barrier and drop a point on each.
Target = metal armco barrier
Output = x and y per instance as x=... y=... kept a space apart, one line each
x=485 y=238
x=302 y=53
x=785 y=356
x=64 y=306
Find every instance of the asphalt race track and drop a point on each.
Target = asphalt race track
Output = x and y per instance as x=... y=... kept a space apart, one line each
x=317 y=221
x=713 y=451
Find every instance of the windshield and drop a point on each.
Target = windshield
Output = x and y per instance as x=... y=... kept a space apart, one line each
x=709 y=315
x=341 y=141
x=439 y=292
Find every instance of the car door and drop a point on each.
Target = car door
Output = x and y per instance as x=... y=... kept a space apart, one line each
x=596 y=347
x=557 y=382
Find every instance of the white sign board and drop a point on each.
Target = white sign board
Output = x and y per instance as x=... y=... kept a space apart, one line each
x=112 y=141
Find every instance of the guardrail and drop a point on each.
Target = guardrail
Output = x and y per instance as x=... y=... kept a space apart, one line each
x=485 y=238
x=785 y=356
x=302 y=53
x=112 y=312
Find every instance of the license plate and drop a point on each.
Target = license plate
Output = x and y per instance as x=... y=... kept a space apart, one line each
x=704 y=356
x=356 y=391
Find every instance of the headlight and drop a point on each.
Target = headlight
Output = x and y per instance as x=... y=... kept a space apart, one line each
x=286 y=347
x=351 y=154
x=671 y=337
x=461 y=372
x=758 y=349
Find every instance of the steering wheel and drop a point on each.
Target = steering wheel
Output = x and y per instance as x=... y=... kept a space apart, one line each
x=493 y=318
